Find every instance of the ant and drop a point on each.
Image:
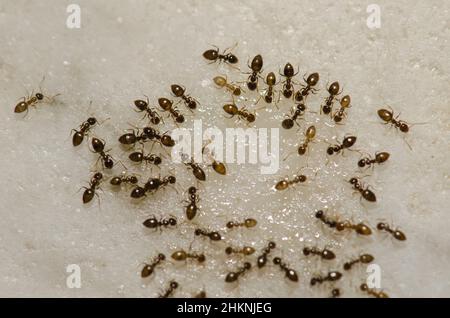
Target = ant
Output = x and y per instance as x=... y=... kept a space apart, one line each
x=167 y=105
x=365 y=193
x=311 y=81
x=98 y=146
x=153 y=223
x=172 y=286
x=222 y=82
x=262 y=259
x=346 y=143
x=133 y=137
x=373 y=292
x=31 y=100
x=152 y=185
x=310 y=133
x=218 y=167
x=214 y=55
x=213 y=236
x=181 y=255
x=324 y=254
x=388 y=117
x=179 y=91
x=94 y=184
x=233 y=276
x=284 y=184
x=118 y=180
x=82 y=131
x=321 y=216
x=256 y=66
x=335 y=293
x=288 y=72
x=139 y=156
x=333 y=90
x=246 y=250
x=397 y=234
x=201 y=294
x=248 y=223
x=233 y=110
x=163 y=139
x=148 y=268
x=271 y=81
x=359 y=228
x=288 y=123
x=330 y=277
x=363 y=259
x=142 y=105
x=290 y=273
x=191 y=208
x=197 y=171
x=340 y=114
x=380 y=157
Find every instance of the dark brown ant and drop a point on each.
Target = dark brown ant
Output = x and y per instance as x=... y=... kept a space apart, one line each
x=335 y=293
x=167 y=105
x=388 y=117
x=359 y=228
x=139 y=156
x=373 y=292
x=262 y=259
x=191 y=208
x=233 y=276
x=153 y=223
x=311 y=81
x=333 y=90
x=201 y=294
x=380 y=157
x=269 y=93
x=152 y=185
x=363 y=259
x=180 y=91
x=133 y=137
x=246 y=250
x=82 y=131
x=310 y=133
x=149 y=268
x=163 y=139
x=213 y=236
x=288 y=73
x=284 y=184
x=256 y=67
x=143 y=106
x=290 y=273
x=248 y=223
x=340 y=114
x=365 y=192
x=172 y=286
x=98 y=146
x=288 y=123
x=214 y=55
x=397 y=234
x=94 y=184
x=118 y=180
x=346 y=143
x=321 y=216
x=324 y=254
x=233 y=110
x=222 y=82
x=31 y=100
x=197 y=171
x=330 y=277
x=181 y=255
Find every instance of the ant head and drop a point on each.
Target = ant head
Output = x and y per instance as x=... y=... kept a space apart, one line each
x=330 y=150
x=361 y=163
x=98 y=175
x=353 y=181
x=161 y=256
x=92 y=121
x=192 y=190
x=39 y=96
x=319 y=214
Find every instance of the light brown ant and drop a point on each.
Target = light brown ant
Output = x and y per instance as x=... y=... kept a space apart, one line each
x=325 y=254
x=321 y=216
x=98 y=146
x=363 y=259
x=298 y=111
x=149 y=268
x=388 y=117
x=330 y=277
x=256 y=67
x=227 y=57
x=290 y=273
x=373 y=292
x=180 y=91
x=380 y=157
x=222 y=82
x=197 y=171
x=181 y=255
x=150 y=113
x=153 y=223
x=346 y=143
x=262 y=259
x=32 y=100
x=246 y=250
x=340 y=114
x=365 y=192
x=333 y=91
x=242 y=113
x=82 y=131
x=286 y=183
x=118 y=180
x=139 y=156
x=217 y=166
x=152 y=185
x=288 y=73
x=248 y=223
x=311 y=81
x=172 y=286
x=167 y=105
x=397 y=234
x=94 y=184
x=191 y=208
x=212 y=235
x=359 y=228
x=310 y=133
x=233 y=276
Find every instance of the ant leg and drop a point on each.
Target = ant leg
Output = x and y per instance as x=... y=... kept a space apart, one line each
x=230 y=49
